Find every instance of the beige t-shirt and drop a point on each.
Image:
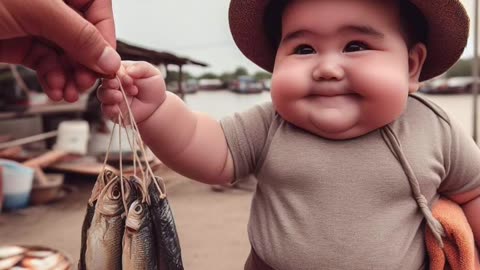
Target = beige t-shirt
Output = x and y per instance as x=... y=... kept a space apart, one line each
x=325 y=204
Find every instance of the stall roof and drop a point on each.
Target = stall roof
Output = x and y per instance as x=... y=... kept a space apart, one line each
x=132 y=52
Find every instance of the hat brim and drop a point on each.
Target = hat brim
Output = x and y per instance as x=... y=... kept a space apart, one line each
x=447 y=23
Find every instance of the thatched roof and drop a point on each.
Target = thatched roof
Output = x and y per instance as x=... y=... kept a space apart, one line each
x=131 y=52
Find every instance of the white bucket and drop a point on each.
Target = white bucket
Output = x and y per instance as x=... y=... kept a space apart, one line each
x=17 y=184
x=73 y=137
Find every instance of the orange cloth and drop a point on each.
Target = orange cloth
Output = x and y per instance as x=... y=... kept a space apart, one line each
x=459 y=244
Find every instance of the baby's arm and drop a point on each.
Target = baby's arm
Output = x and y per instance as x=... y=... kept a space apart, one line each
x=188 y=142
x=470 y=203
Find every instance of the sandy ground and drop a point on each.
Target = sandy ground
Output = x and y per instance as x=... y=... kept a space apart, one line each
x=211 y=225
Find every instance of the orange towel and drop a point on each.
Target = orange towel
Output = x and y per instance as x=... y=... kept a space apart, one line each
x=459 y=244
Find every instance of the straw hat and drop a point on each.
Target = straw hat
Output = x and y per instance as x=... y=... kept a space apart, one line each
x=447 y=23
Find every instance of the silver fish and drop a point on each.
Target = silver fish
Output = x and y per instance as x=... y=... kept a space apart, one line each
x=9 y=262
x=104 y=238
x=139 y=251
x=102 y=181
x=166 y=237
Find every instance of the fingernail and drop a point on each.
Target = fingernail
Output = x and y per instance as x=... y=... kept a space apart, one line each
x=109 y=61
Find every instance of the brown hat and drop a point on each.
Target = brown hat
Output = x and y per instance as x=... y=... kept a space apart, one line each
x=447 y=33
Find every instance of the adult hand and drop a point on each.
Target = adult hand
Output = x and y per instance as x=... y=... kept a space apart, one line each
x=68 y=43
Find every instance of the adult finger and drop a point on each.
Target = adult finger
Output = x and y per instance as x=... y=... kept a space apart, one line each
x=84 y=78
x=70 y=93
x=57 y=22
x=100 y=14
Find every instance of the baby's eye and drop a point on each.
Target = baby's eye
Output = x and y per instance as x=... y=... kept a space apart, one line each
x=355 y=46
x=304 y=49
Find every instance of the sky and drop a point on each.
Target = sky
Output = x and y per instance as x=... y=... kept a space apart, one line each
x=197 y=29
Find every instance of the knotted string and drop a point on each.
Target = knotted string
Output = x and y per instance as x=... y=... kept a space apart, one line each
x=394 y=145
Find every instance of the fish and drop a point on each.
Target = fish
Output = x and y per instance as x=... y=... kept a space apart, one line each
x=45 y=263
x=139 y=250
x=9 y=262
x=104 y=237
x=166 y=237
x=102 y=180
x=10 y=251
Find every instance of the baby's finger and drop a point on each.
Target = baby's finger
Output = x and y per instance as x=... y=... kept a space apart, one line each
x=110 y=83
x=127 y=82
x=111 y=112
x=109 y=96
x=140 y=70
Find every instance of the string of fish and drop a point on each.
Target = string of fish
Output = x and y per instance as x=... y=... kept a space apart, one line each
x=128 y=223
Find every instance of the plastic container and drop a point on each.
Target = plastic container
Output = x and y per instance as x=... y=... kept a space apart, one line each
x=73 y=137
x=17 y=184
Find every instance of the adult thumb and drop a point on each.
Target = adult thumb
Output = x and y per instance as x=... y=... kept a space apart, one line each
x=79 y=38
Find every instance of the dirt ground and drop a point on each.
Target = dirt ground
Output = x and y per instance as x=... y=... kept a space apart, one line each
x=211 y=225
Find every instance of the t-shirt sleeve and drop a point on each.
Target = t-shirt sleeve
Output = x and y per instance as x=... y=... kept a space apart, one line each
x=463 y=165
x=246 y=134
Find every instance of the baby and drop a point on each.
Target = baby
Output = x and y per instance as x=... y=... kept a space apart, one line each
x=346 y=159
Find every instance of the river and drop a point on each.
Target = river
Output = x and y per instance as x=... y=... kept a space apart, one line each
x=220 y=103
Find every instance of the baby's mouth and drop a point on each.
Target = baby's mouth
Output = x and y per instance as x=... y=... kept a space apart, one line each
x=334 y=99
x=331 y=91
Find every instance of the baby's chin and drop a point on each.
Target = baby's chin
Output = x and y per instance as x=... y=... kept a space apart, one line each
x=336 y=125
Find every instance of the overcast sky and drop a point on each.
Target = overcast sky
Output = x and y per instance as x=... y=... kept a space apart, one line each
x=197 y=29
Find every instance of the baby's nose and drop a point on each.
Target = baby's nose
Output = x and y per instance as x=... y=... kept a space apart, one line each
x=328 y=70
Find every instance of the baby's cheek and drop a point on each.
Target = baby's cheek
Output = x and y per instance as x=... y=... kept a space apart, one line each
x=288 y=86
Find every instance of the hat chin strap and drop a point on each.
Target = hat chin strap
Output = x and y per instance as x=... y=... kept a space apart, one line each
x=394 y=145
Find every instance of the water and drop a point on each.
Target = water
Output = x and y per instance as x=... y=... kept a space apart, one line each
x=221 y=103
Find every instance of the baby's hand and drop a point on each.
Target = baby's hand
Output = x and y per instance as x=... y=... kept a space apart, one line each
x=144 y=87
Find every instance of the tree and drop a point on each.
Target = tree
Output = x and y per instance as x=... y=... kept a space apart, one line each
x=173 y=76
x=240 y=71
x=262 y=75
x=227 y=77
x=208 y=75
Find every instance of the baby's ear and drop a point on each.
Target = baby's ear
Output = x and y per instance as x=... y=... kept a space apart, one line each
x=416 y=59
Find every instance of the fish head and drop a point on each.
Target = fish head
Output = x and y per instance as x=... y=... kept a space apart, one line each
x=110 y=200
x=102 y=180
x=137 y=216
x=109 y=175
x=135 y=179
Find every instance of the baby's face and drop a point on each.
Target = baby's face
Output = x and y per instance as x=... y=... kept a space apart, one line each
x=342 y=67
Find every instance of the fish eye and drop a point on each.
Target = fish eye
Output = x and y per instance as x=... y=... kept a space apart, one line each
x=116 y=193
x=138 y=209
